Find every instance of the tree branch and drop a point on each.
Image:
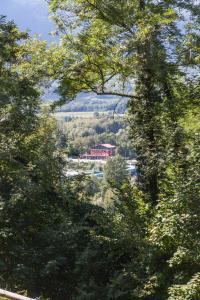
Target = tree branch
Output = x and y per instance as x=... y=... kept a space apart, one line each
x=106 y=18
x=101 y=91
x=112 y=93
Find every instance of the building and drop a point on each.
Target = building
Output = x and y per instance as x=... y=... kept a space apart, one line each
x=101 y=151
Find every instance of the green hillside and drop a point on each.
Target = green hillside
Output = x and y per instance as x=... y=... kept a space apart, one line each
x=85 y=104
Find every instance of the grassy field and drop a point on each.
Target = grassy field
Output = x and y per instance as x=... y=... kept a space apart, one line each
x=85 y=115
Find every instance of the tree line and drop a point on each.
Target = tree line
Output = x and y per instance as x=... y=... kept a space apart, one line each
x=81 y=134
x=84 y=105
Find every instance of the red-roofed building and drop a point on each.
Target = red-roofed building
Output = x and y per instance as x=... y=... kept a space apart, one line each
x=101 y=151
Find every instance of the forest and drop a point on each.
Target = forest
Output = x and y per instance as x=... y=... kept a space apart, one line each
x=80 y=133
x=77 y=238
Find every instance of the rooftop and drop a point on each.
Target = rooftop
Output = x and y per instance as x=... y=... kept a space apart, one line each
x=106 y=146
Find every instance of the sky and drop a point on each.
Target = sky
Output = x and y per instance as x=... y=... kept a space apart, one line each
x=29 y=14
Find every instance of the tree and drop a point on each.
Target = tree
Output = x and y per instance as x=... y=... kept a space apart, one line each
x=30 y=168
x=116 y=172
x=115 y=43
x=51 y=236
x=142 y=50
x=54 y=242
x=41 y=232
x=173 y=230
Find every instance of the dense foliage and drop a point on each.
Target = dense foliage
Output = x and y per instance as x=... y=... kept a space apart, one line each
x=58 y=239
x=147 y=51
x=83 y=133
x=135 y=50
x=52 y=238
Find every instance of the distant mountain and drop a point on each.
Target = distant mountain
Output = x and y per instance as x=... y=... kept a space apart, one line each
x=90 y=102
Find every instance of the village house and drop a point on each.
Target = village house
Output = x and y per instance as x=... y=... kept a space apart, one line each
x=101 y=151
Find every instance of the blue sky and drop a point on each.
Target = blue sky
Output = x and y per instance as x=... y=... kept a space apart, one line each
x=28 y=14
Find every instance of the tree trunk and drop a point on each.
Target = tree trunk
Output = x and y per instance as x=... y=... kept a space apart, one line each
x=13 y=296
